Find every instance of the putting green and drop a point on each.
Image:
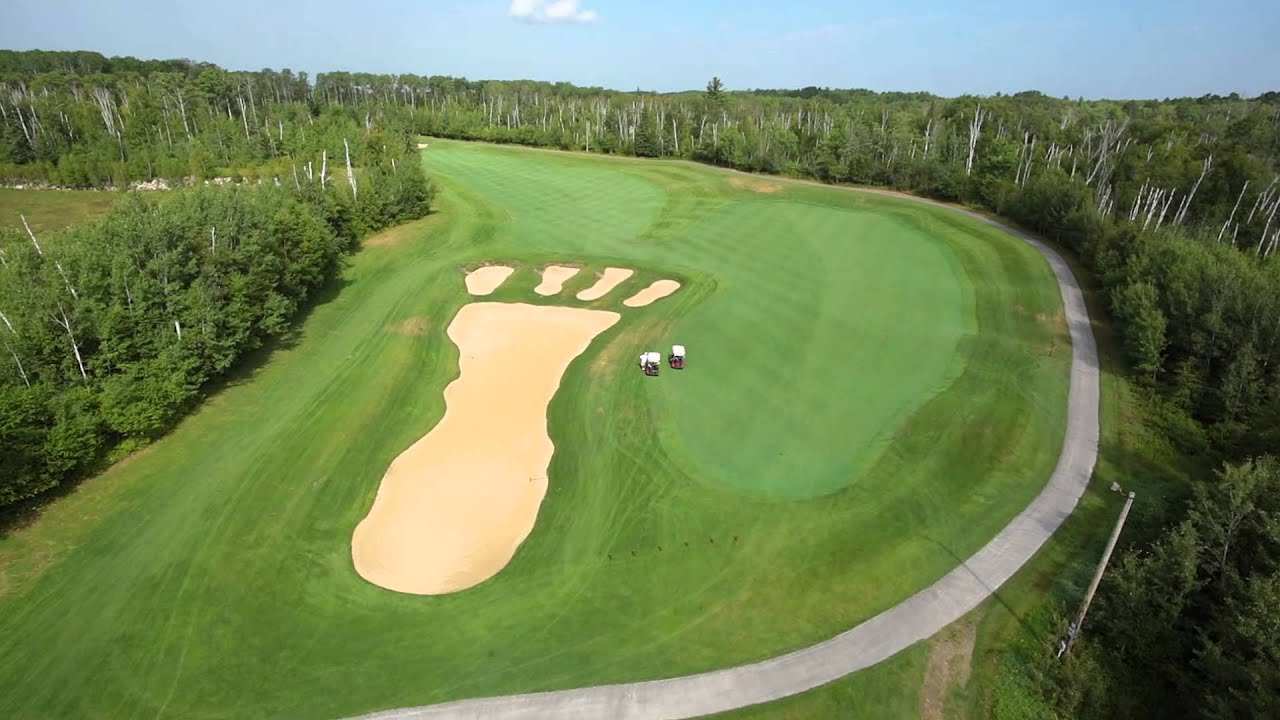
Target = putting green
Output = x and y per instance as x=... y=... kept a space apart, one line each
x=822 y=339
x=874 y=389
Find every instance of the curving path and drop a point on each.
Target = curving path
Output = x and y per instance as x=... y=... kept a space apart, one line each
x=884 y=635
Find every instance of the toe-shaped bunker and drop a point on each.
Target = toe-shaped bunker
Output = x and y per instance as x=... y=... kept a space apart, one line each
x=655 y=292
x=484 y=280
x=553 y=279
x=610 y=279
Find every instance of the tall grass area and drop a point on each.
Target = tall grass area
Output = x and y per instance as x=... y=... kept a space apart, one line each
x=53 y=210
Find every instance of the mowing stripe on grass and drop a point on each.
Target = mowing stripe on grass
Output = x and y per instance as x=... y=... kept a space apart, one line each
x=211 y=576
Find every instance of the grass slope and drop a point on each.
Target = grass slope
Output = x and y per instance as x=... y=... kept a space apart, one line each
x=210 y=576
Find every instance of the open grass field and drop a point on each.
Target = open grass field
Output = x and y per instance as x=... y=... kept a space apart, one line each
x=874 y=389
x=53 y=210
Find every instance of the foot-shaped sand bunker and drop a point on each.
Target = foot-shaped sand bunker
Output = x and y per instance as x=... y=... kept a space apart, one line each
x=553 y=279
x=612 y=278
x=485 y=280
x=453 y=508
x=658 y=290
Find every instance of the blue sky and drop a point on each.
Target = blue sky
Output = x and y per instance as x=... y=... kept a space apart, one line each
x=1090 y=48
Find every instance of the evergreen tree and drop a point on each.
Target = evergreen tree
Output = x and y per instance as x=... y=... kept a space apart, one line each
x=646 y=143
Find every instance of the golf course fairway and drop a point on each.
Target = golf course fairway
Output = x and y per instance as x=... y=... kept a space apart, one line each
x=874 y=389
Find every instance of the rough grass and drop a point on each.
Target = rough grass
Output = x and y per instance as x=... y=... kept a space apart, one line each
x=53 y=210
x=211 y=576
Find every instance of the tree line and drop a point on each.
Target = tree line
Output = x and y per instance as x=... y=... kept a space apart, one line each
x=1169 y=204
x=109 y=331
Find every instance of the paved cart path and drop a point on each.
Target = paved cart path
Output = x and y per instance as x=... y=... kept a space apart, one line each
x=884 y=635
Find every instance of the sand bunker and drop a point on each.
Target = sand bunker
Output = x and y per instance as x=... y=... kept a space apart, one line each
x=422 y=146
x=453 y=508
x=612 y=278
x=485 y=280
x=658 y=290
x=553 y=278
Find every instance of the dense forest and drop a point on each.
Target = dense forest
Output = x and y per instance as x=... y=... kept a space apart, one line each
x=1170 y=205
x=109 y=331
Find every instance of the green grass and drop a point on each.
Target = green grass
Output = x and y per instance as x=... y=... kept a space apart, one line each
x=53 y=210
x=210 y=575
x=784 y=344
x=1021 y=625
x=1024 y=623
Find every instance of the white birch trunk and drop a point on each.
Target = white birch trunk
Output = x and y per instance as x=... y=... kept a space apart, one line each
x=1186 y=204
x=975 y=130
x=1152 y=204
x=351 y=176
x=21 y=371
x=182 y=109
x=75 y=295
x=1137 y=201
x=31 y=235
x=1164 y=210
x=1031 y=158
x=1267 y=227
x=1262 y=199
x=244 y=117
x=1104 y=207
x=1232 y=216
x=65 y=323
x=26 y=133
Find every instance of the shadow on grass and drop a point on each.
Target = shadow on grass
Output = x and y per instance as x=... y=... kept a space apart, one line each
x=994 y=593
x=23 y=514
x=254 y=361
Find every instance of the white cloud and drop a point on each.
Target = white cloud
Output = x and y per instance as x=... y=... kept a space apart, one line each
x=550 y=11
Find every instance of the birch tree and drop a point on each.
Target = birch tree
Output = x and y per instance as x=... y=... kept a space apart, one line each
x=975 y=131
x=351 y=176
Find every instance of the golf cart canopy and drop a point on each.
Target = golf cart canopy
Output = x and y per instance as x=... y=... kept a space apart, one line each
x=677 y=350
x=653 y=357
